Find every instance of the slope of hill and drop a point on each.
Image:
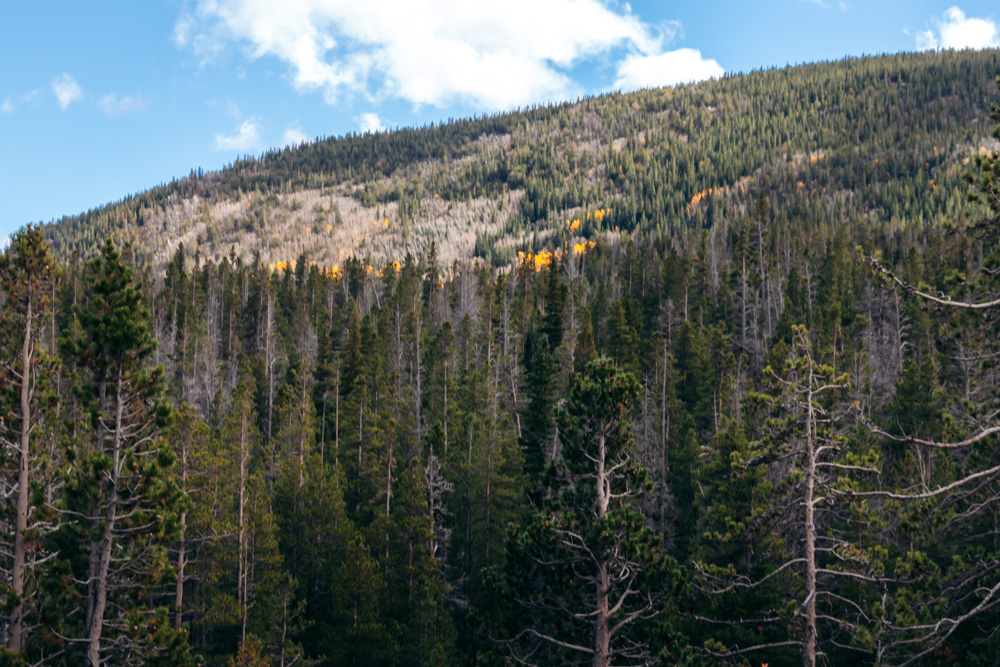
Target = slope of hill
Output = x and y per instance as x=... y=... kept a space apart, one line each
x=875 y=138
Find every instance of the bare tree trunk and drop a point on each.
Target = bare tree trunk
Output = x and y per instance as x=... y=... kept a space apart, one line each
x=302 y=437
x=269 y=356
x=241 y=585
x=664 y=437
x=17 y=571
x=420 y=370
x=322 y=430
x=181 y=550
x=743 y=298
x=336 y=423
x=107 y=541
x=179 y=588
x=284 y=630
x=602 y=615
x=602 y=620
x=446 y=407
x=809 y=635
x=95 y=513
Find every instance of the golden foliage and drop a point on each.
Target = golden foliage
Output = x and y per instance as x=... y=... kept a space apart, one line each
x=597 y=215
x=698 y=196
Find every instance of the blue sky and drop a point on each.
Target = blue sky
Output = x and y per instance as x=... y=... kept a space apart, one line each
x=102 y=99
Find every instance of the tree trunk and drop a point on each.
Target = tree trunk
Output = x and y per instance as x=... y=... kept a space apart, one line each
x=602 y=621
x=107 y=541
x=809 y=634
x=17 y=570
x=336 y=423
x=179 y=588
x=241 y=574
x=302 y=438
x=602 y=616
x=664 y=437
x=95 y=514
x=446 y=407
x=181 y=550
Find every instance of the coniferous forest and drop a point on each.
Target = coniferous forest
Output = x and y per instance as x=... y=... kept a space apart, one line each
x=695 y=412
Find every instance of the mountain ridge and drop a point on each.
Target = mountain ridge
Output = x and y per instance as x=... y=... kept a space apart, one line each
x=675 y=159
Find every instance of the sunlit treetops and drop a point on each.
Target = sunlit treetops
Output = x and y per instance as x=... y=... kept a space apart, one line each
x=543 y=260
x=597 y=215
x=698 y=196
x=582 y=248
x=335 y=272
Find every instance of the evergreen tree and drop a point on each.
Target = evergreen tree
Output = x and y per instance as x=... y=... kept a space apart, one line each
x=538 y=416
x=27 y=276
x=583 y=576
x=119 y=481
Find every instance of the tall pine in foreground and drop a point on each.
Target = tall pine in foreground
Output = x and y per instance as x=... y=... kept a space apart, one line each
x=27 y=275
x=125 y=509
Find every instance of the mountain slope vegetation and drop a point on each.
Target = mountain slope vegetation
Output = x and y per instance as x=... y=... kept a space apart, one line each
x=880 y=139
x=708 y=376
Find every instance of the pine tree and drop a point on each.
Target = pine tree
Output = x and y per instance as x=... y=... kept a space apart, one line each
x=27 y=276
x=583 y=578
x=538 y=415
x=815 y=554
x=120 y=480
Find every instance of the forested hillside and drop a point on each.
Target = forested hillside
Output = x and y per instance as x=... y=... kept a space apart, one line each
x=877 y=139
x=726 y=391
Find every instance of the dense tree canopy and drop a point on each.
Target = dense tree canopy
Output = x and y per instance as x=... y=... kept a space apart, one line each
x=755 y=424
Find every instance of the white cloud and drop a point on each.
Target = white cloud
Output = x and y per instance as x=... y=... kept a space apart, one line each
x=841 y=5
x=957 y=31
x=293 y=137
x=7 y=106
x=66 y=90
x=370 y=122
x=182 y=29
x=114 y=106
x=665 y=69
x=492 y=55
x=4 y=242
x=244 y=138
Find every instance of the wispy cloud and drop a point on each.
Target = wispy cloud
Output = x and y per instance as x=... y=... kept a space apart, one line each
x=433 y=52
x=114 y=106
x=841 y=5
x=7 y=106
x=245 y=137
x=294 y=136
x=370 y=122
x=957 y=31
x=665 y=69
x=66 y=90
